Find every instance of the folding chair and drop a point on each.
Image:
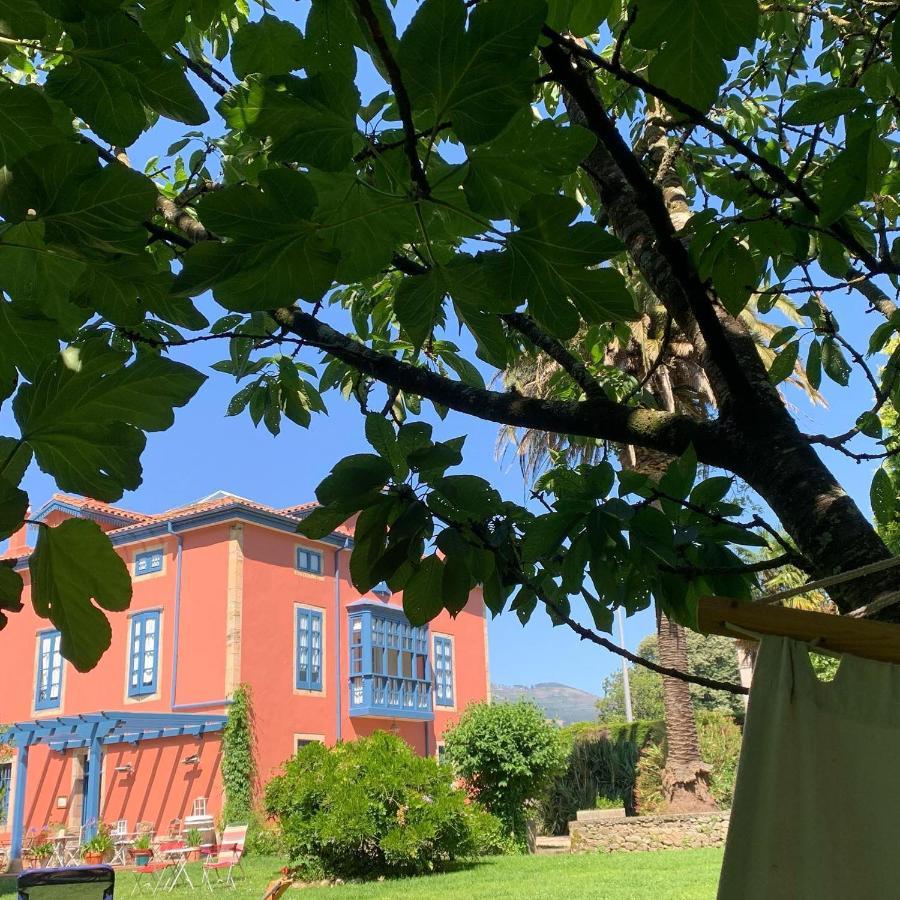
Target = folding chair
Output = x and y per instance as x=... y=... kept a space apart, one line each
x=59 y=841
x=72 y=846
x=121 y=840
x=149 y=876
x=227 y=858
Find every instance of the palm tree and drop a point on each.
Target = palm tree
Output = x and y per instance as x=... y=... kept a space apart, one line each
x=664 y=364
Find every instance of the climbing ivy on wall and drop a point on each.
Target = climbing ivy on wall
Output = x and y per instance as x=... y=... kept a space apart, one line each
x=238 y=760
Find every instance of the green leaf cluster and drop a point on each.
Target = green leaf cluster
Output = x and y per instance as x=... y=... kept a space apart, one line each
x=376 y=792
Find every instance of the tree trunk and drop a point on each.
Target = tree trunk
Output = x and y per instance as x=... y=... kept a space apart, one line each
x=686 y=776
x=767 y=448
x=828 y=526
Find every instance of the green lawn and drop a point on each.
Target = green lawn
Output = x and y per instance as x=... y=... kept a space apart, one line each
x=668 y=875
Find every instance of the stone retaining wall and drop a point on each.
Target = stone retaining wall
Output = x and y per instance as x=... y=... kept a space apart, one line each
x=671 y=832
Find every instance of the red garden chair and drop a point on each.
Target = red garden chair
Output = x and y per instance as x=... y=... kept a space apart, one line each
x=151 y=876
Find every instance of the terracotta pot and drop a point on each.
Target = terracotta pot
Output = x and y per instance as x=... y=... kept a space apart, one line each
x=93 y=859
x=194 y=855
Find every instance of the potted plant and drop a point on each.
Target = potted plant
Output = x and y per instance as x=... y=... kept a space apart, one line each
x=95 y=850
x=194 y=838
x=141 y=849
x=42 y=852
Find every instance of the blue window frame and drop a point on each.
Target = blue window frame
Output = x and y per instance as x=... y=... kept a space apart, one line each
x=389 y=669
x=143 y=665
x=309 y=560
x=148 y=561
x=443 y=671
x=48 y=687
x=308 y=661
x=5 y=781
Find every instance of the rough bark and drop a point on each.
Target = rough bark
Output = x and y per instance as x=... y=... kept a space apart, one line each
x=772 y=455
x=686 y=776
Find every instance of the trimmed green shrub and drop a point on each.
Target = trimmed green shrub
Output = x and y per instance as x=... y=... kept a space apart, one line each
x=506 y=753
x=373 y=807
x=720 y=747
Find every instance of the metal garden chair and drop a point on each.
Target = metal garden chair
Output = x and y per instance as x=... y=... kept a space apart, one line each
x=227 y=858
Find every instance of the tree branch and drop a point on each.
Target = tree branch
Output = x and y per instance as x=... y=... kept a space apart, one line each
x=556 y=351
x=763 y=565
x=775 y=172
x=586 y=634
x=601 y=418
x=877 y=298
x=404 y=107
x=183 y=220
x=204 y=73
x=694 y=309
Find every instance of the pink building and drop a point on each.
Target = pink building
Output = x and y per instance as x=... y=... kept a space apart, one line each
x=225 y=592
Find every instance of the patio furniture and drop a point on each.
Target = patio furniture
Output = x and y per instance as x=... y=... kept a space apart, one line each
x=148 y=876
x=72 y=846
x=58 y=857
x=176 y=853
x=122 y=840
x=227 y=858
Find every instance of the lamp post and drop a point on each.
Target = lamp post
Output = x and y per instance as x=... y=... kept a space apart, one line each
x=626 y=686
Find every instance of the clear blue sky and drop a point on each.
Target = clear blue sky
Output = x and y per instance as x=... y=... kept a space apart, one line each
x=205 y=451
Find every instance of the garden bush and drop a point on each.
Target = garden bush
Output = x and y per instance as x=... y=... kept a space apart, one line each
x=601 y=764
x=720 y=747
x=506 y=753
x=373 y=807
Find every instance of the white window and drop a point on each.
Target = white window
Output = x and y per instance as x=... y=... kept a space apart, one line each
x=301 y=740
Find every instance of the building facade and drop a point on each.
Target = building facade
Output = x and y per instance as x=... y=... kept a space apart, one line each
x=225 y=593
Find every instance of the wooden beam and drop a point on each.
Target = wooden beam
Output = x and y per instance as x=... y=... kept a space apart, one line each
x=839 y=634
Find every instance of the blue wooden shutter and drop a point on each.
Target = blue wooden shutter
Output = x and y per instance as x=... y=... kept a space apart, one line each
x=443 y=671
x=310 y=658
x=143 y=668
x=48 y=687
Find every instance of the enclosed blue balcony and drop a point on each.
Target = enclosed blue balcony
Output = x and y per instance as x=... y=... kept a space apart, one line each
x=390 y=675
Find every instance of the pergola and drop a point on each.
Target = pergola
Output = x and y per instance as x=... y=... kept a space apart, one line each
x=92 y=731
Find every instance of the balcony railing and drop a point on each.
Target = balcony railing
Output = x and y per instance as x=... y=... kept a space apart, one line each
x=390 y=674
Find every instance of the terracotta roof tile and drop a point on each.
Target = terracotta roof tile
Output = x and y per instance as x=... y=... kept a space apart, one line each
x=219 y=500
x=96 y=506
x=24 y=553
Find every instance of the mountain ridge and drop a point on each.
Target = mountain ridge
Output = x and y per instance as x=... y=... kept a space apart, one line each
x=560 y=702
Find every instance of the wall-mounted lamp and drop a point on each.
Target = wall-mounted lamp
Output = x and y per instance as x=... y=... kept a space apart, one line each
x=191 y=760
x=127 y=769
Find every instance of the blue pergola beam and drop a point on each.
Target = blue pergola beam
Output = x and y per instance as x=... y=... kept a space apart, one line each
x=92 y=788
x=18 y=821
x=92 y=730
